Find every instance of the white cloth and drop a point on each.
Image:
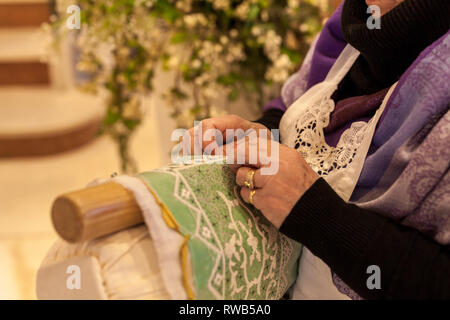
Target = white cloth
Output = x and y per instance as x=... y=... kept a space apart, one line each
x=122 y=265
x=145 y=267
x=166 y=241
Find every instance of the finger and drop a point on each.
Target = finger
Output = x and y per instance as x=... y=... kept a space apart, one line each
x=198 y=138
x=249 y=152
x=245 y=194
x=258 y=179
x=214 y=132
x=222 y=124
x=211 y=132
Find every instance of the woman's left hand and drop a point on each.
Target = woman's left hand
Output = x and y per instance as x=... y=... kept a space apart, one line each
x=276 y=194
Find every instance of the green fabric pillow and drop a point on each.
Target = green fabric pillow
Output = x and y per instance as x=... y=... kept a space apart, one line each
x=235 y=253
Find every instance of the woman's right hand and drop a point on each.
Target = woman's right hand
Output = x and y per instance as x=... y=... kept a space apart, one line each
x=220 y=125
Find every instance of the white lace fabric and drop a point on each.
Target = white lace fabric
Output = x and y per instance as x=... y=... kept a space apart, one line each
x=310 y=139
x=302 y=128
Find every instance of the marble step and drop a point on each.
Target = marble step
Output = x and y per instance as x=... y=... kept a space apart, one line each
x=23 y=13
x=21 y=53
x=40 y=121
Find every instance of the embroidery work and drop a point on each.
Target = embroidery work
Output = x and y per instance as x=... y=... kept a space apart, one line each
x=235 y=252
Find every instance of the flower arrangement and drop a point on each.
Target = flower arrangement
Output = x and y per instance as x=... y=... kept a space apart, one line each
x=218 y=51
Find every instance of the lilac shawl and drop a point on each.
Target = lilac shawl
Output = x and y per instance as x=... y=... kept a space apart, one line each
x=406 y=172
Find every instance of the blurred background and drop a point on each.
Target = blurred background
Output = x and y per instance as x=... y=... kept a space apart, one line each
x=92 y=88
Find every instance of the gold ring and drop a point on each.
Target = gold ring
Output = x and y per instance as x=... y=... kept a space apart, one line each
x=250 y=197
x=249 y=183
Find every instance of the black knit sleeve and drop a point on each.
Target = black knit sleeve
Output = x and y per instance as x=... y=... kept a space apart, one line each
x=349 y=239
x=271 y=118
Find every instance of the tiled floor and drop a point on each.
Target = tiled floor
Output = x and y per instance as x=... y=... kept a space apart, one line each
x=28 y=187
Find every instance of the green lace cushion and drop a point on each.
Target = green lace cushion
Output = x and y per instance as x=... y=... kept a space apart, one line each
x=235 y=252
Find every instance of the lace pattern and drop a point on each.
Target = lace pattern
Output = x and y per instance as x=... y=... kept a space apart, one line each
x=235 y=252
x=310 y=139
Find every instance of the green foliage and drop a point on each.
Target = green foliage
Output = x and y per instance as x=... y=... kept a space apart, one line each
x=215 y=48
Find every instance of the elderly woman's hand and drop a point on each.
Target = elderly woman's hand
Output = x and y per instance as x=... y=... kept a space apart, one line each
x=275 y=195
x=220 y=125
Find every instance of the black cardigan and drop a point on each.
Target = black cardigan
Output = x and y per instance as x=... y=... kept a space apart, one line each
x=350 y=239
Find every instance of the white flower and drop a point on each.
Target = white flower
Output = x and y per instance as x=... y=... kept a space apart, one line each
x=283 y=62
x=272 y=44
x=224 y=40
x=195 y=19
x=264 y=15
x=293 y=4
x=304 y=27
x=220 y=4
x=256 y=31
x=184 y=5
x=173 y=61
x=218 y=48
x=242 y=10
x=196 y=64
x=234 y=33
x=237 y=52
x=279 y=71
